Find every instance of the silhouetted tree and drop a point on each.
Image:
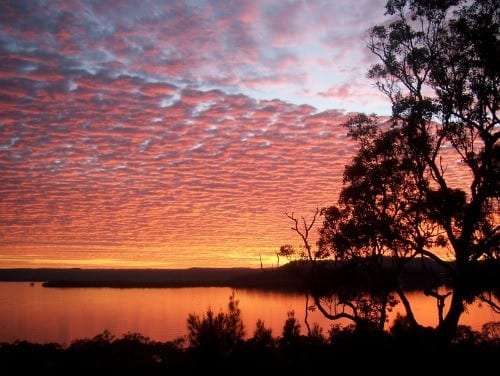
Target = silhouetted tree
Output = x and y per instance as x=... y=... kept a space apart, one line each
x=262 y=336
x=439 y=66
x=216 y=335
x=261 y=347
x=291 y=329
x=291 y=353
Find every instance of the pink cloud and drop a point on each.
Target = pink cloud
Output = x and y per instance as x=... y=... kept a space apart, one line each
x=129 y=126
x=335 y=92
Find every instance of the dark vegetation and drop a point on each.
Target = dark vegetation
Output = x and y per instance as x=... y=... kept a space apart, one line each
x=417 y=274
x=293 y=276
x=399 y=213
x=284 y=278
x=217 y=342
x=400 y=204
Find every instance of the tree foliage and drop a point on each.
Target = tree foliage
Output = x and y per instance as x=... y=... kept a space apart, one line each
x=291 y=353
x=400 y=199
x=217 y=333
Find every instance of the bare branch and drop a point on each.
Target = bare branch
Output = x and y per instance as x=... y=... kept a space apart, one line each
x=305 y=231
x=494 y=306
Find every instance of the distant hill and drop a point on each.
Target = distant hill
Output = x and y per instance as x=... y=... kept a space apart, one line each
x=127 y=277
x=292 y=276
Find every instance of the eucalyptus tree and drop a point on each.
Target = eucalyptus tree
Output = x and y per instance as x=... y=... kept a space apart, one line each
x=401 y=199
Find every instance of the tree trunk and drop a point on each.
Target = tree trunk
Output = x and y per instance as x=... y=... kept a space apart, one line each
x=447 y=329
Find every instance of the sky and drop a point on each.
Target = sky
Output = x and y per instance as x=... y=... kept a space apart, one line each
x=174 y=134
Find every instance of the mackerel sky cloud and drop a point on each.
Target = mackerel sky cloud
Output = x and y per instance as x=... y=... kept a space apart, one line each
x=174 y=133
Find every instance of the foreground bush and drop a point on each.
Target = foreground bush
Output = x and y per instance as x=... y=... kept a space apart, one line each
x=217 y=343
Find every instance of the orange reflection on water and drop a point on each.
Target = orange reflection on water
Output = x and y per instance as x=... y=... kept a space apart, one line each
x=45 y=315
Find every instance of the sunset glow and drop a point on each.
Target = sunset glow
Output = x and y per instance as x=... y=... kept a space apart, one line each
x=174 y=134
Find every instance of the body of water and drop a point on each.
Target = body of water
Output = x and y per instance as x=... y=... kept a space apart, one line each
x=38 y=314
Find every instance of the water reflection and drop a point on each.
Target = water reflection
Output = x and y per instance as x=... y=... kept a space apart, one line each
x=39 y=314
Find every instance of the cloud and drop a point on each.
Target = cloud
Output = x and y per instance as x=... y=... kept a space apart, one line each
x=343 y=92
x=95 y=162
x=174 y=126
x=255 y=48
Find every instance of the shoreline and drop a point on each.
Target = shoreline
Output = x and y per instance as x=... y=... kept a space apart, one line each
x=290 y=277
x=268 y=279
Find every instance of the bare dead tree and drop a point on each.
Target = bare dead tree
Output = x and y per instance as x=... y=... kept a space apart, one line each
x=304 y=230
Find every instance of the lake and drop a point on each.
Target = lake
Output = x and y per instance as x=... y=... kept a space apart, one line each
x=39 y=314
